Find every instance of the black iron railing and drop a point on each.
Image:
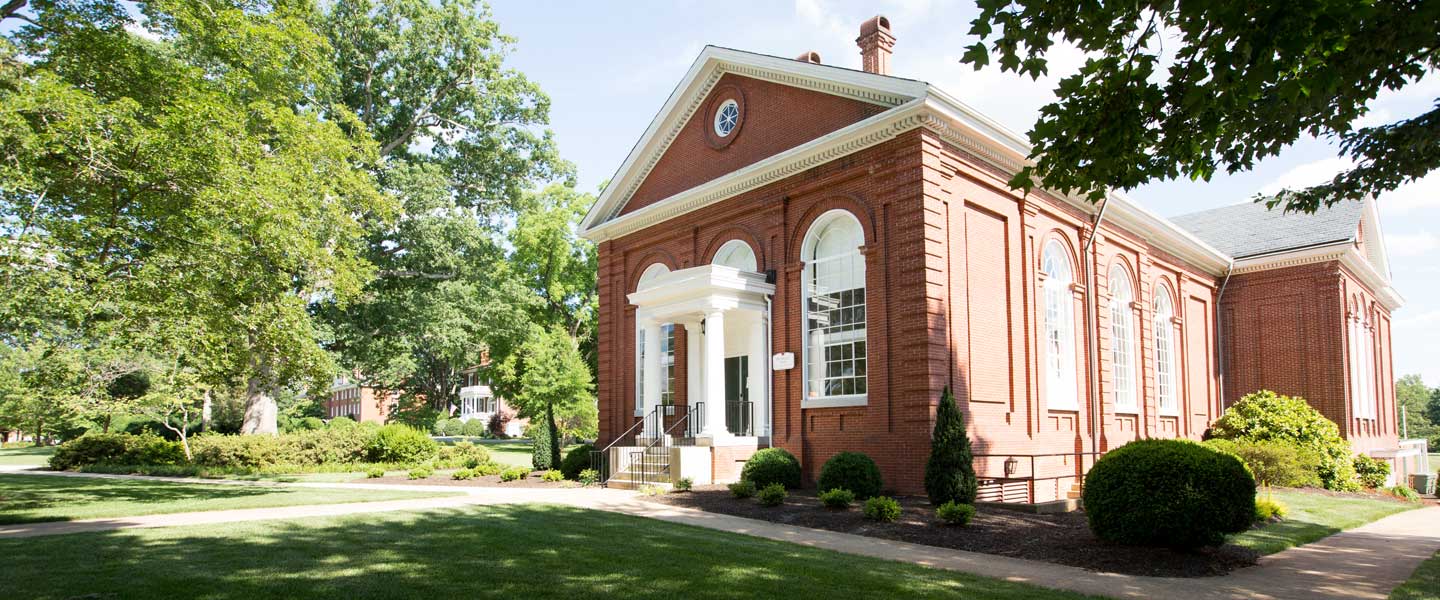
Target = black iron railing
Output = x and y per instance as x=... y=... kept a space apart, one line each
x=739 y=418
x=647 y=459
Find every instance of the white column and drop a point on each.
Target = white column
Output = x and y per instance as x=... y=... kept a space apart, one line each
x=759 y=370
x=651 y=390
x=694 y=391
x=715 y=376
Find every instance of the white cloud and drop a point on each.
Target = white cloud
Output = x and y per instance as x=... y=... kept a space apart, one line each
x=1308 y=174
x=1411 y=244
x=1421 y=194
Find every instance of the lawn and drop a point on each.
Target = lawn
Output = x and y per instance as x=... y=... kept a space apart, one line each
x=1424 y=584
x=514 y=453
x=33 y=456
x=1313 y=516
x=32 y=498
x=494 y=552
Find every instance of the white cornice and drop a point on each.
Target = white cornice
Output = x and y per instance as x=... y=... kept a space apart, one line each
x=1343 y=252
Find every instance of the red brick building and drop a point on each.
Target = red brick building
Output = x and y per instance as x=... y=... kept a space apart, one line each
x=811 y=254
x=358 y=402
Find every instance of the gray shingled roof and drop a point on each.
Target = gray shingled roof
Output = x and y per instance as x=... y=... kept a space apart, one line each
x=1250 y=229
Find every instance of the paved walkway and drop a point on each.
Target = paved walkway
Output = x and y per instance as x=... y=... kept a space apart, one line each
x=1366 y=562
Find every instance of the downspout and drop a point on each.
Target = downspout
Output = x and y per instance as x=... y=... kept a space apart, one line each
x=1092 y=335
x=1220 y=331
x=770 y=376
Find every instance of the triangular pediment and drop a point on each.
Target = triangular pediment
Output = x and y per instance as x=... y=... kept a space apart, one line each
x=785 y=104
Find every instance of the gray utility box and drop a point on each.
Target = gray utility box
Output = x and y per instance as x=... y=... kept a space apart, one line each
x=1423 y=482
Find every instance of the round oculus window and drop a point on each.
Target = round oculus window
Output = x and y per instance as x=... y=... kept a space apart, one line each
x=727 y=117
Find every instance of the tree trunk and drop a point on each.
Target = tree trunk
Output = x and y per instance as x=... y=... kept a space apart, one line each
x=260 y=408
x=206 y=410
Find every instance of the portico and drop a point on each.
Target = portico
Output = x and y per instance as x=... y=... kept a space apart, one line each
x=724 y=311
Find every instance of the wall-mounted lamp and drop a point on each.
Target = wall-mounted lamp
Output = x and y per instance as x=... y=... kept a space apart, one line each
x=1011 y=465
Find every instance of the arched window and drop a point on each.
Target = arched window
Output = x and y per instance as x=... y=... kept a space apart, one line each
x=1366 y=332
x=834 y=299
x=1060 y=385
x=737 y=254
x=667 y=349
x=1165 y=351
x=1122 y=340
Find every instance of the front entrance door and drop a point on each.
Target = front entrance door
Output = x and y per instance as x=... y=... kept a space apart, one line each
x=737 y=395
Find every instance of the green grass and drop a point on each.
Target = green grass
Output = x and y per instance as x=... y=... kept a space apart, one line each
x=1314 y=516
x=32 y=498
x=36 y=456
x=1424 y=584
x=522 y=551
x=514 y=454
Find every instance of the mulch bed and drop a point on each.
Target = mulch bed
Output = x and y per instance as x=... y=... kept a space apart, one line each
x=443 y=478
x=1059 y=538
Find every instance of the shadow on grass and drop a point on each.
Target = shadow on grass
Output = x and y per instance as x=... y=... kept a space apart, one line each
x=502 y=551
x=33 y=494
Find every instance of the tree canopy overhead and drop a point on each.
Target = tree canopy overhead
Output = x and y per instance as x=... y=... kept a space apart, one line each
x=1175 y=89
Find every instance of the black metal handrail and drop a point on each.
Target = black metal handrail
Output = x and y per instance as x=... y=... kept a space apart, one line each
x=746 y=418
x=653 y=434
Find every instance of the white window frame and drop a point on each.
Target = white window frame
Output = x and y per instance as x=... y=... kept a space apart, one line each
x=1061 y=383
x=1122 y=342
x=822 y=225
x=719 y=118
x=736 y=254
x=1166 y=398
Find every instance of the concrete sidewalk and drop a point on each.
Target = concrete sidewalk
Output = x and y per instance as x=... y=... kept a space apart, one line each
x=1366 y=562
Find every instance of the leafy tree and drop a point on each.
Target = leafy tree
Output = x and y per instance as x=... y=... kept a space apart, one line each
x=950 y=472
x=1176 y=89
x=193 y=177
x=1412 y=395
x=554 y=379
x=1432 y=408
x=460 y=138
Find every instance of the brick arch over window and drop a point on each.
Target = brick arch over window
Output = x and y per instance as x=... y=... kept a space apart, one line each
x=650 y=259
x=732 y=234
x=1063 y=238
x=850 y=204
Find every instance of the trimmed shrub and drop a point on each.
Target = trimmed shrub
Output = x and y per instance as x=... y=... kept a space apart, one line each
x=950 y=472
x=421 y=472
x=742 y=489
x=375 y=472
x=772 y=495
x=397 y=443
x=488 y=469
x=463 y=474
x=882 y=508
x=341 y=422
x=473 y=428
x=853 y=471
x=1174 y=493
x=514 y=474
x=1269 y=508
x=1372 y=472
x=589 y=477
x=241 y=451
x=462 y=454
x=577 y=460
x=684 y=484
x=552 y=476
x=772 y=465
x=1267 y=416
x=1274 y=463
x=343 y=444
x=454 y=427
x=955 y=513
x=310 y=424
x=438 y=428
x=837 y=498
x=116 y=449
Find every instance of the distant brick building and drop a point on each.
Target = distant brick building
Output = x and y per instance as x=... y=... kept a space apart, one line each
x=805 y=256
x=359 y=403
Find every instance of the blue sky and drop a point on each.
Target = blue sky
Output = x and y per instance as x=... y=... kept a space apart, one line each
x=609 y=66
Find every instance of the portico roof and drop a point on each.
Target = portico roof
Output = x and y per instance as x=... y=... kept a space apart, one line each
x=696 y=291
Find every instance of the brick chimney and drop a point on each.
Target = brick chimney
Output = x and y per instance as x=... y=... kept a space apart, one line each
x=875 y=43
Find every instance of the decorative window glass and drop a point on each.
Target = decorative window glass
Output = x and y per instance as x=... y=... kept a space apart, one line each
x=1366 y=335
x=737 y=254
x=1060 y=382
x=1165 y=351
x=667 y=363
x=727 y=117
x=1122 y=344
x=834 y=297
x=667 y=345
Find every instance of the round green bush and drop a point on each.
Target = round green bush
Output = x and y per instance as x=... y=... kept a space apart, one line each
x=1173 y=493
x=438 y=428
x=1372 y=472
x=454 y=427
x=955 y=513
x=1274 y=463
x=882 y=508
x=837 y=498
x=397 y=443
x=576 y=460
x=474 y=428
x=1267 y=416
x=772 y=465
x=772 y=495
x=853 y=471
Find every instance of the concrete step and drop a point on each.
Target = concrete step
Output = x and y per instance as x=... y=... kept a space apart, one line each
x=620 y=483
